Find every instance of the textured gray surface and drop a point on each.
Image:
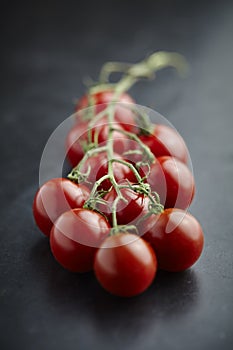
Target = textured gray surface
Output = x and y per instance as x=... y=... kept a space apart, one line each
x=47 y=47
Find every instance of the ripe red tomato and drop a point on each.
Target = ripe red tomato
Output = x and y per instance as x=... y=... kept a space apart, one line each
x=176 y=237
x=125 y=265
x=54 y=198
x=123 y=115
x=127 y=212
x=74 y=147
x=78 y=135
x=99 y=167
x=173 y=181
x=165 y=141
x=75 y=237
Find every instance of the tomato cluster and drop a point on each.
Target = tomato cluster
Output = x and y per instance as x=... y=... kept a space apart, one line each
x=107 y=220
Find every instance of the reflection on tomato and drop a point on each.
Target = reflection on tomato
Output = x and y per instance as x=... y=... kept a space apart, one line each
x=75 y=237
x=125 y=265
x=176 y=237
x=54 y=198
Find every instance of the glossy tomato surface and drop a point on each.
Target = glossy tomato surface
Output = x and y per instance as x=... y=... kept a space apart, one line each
x=54 y=198
x=125 y=265
x=173 y=181
x=165 y=141
x=75 y=237
x=176 y=237
x=123 y=114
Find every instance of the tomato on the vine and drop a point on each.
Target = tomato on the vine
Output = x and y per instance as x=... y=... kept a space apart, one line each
x=125 y=265
x=54 y=198
x=176 y=237
x=173 y=181
x=75 y=238
x=99 y=167
x=78 y=137
x=74 y=142
x=100 y=100
x=128 y=210
x=165 y=141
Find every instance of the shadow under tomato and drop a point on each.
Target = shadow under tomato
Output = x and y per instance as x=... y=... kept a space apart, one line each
x=171 y=294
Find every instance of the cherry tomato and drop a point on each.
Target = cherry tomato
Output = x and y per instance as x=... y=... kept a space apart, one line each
x=54 y=198
x=123 y=115
x=125 y=265
x=74 y=147
x=173 y=181
x=127 y=212
x=99 y=167
x=75 y=237
x=176 y=237
x=165 y=141
x=78 y=135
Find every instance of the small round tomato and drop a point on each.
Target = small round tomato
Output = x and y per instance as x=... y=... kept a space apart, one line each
x=125 y=265
x=78 y=136
x=127 y=212
x=165 y=141
x=75 y=237
x=98 y=165
x=173 y=181
x=123 y=115
x=176 y=237
x=74 y=139
x=54 y=198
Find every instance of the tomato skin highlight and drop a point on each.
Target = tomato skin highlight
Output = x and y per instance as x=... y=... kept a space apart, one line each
x=75 y=237
x=176 y=237
x=54 y=198
x=125 y=265
x=165 y=141
x=173 y=181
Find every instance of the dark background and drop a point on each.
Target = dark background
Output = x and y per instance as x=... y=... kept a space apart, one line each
x=47 y=47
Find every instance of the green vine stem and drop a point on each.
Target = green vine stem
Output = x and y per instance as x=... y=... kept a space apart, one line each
x=131 y=73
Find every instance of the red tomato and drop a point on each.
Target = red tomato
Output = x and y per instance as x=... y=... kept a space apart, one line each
x=99 y=167
x=54 y=198
x=78 y=135
x=176 y=237
x=123 y=115
x=125 y=265
x=173 y=181
x=127 y=212
x=74 y=147
x=165 y=141
x=75 y=237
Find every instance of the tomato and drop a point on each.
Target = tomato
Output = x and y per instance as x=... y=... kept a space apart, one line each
x=123 y=115
x=165 y=141
x=78 y=135
x=173 y=181
x=176 y=237
x=74 y=146
x=99 y=167
x=75 y=237
x=54 y=198
x=125 y=265
x=127 y=212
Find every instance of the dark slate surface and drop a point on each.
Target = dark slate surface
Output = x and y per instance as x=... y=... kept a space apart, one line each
x=46 y=49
